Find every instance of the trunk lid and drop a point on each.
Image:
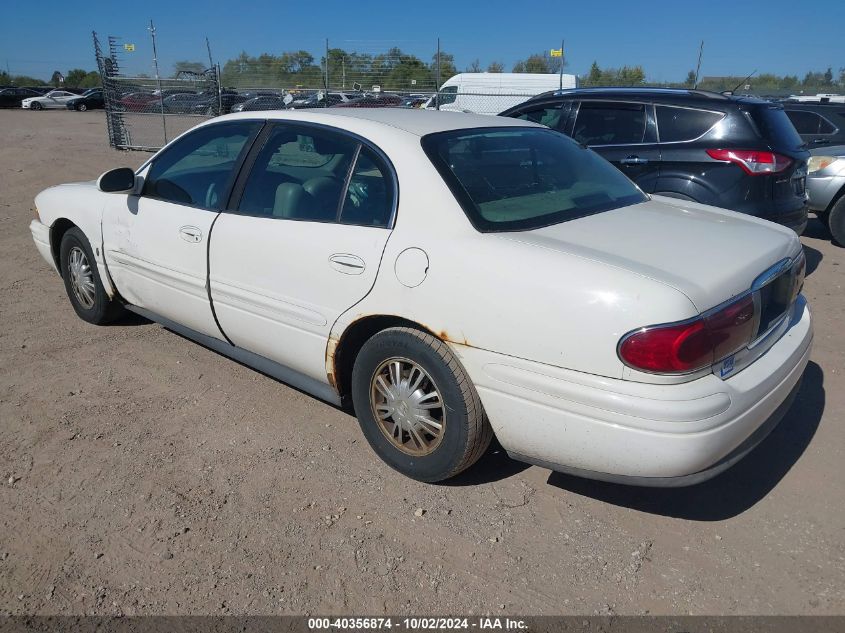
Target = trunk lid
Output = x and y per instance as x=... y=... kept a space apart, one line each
x=709 y=254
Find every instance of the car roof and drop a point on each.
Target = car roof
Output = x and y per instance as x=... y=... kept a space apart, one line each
x=665 y=95
x=413 y=121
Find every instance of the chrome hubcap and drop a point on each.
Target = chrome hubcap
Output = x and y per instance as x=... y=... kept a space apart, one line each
x=81 y=278
x=407 y=406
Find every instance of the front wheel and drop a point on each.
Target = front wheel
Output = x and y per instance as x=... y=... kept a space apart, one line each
x=36 y=106
x=416 y=405
x=836 y=221
x=82 y=107
x=82 y=280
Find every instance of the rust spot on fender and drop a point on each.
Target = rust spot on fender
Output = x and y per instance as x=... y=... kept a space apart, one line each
x=331 y=352
x=444 y=335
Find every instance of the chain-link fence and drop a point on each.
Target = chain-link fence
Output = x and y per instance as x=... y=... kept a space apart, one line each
x=143 y=112
x=146 y=112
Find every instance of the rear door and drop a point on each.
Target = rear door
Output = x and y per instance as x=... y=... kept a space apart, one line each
x=623 y=133
x=301 y=243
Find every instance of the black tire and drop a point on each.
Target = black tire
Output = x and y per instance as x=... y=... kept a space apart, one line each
x=465 y=433
x=836 y=221
x=824 y=217
x=103 y=309
x=36 y=106
x=82 y=107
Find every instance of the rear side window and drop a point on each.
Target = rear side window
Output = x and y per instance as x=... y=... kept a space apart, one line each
x=684 y=124
x=511 y=179
x=775 y=127
x=609 y=123
x=369 y=196
x=810 y=122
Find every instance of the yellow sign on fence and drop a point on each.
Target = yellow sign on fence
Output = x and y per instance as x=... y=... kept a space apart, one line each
x=556 y=52
x=129 y=47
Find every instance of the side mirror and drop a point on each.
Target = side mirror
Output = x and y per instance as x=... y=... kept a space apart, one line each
x=120 y=180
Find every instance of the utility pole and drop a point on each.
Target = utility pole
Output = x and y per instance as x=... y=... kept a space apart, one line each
x=208 y=48
x=152 y=30
x=561 y=63
x=327 y=69
x=698 y=67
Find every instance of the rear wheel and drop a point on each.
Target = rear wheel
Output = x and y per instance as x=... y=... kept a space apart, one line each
x=82 y=280
x=416 y=405
x=836 y=221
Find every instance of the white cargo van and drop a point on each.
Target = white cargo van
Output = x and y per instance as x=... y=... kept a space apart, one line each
x=491 y=93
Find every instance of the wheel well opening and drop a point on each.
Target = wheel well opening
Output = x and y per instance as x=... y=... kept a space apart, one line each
x=351 y=342
x=57 y=232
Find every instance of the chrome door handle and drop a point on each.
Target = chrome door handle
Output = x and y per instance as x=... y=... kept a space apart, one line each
x=347 y=263
x=634 y=160
x=190 y=234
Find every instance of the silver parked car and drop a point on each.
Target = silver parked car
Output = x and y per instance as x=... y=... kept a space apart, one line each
x=826 y=188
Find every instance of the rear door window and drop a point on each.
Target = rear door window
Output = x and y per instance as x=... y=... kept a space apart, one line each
x=684 y=124
x=810 y=122
x=299 y=174
x=610 y=123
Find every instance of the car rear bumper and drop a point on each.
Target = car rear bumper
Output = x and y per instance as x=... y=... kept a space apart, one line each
x=41 y=237
x=795 y=220
x=645 y=434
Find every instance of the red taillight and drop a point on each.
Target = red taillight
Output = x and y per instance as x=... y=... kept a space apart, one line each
x=752 y=162
x=686 y=347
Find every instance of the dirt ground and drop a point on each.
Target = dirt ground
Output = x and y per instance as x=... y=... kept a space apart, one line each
x=144 y=474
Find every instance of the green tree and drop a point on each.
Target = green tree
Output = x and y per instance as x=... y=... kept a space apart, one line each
x=595 y=75
x=496 y=67
x=56 y=78
x=78 y=78
x=828 y=77
x=5 y=78
x=447 y=66
x=474 y=67
x=690 y=79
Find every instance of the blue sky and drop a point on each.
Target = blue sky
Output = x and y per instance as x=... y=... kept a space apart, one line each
x=37 y=37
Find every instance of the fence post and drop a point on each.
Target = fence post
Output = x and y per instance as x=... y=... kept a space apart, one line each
x=158 y=82
x=437 y=79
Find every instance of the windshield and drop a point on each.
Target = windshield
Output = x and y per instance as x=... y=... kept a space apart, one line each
x=514 y=179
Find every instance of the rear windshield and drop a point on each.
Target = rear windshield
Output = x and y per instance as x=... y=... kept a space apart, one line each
x=775 y=127
x=513 y=179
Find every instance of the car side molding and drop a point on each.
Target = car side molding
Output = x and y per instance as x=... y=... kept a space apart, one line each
x=282 y=373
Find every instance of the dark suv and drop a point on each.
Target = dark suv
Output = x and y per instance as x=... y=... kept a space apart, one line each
x=819 y=124
x=733 y=152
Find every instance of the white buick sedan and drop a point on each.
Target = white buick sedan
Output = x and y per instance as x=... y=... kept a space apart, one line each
x=451 y=277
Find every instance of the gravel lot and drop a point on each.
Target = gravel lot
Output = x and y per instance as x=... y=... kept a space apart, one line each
x=144 y=474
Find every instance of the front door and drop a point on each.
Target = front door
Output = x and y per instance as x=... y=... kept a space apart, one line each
x=302 y=245
x=622 y=133
x=156 y=243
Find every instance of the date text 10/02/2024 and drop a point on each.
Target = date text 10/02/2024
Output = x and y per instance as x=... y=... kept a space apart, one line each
x=417 y=624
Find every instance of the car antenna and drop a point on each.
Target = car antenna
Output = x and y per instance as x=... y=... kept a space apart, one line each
x=753 y=72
